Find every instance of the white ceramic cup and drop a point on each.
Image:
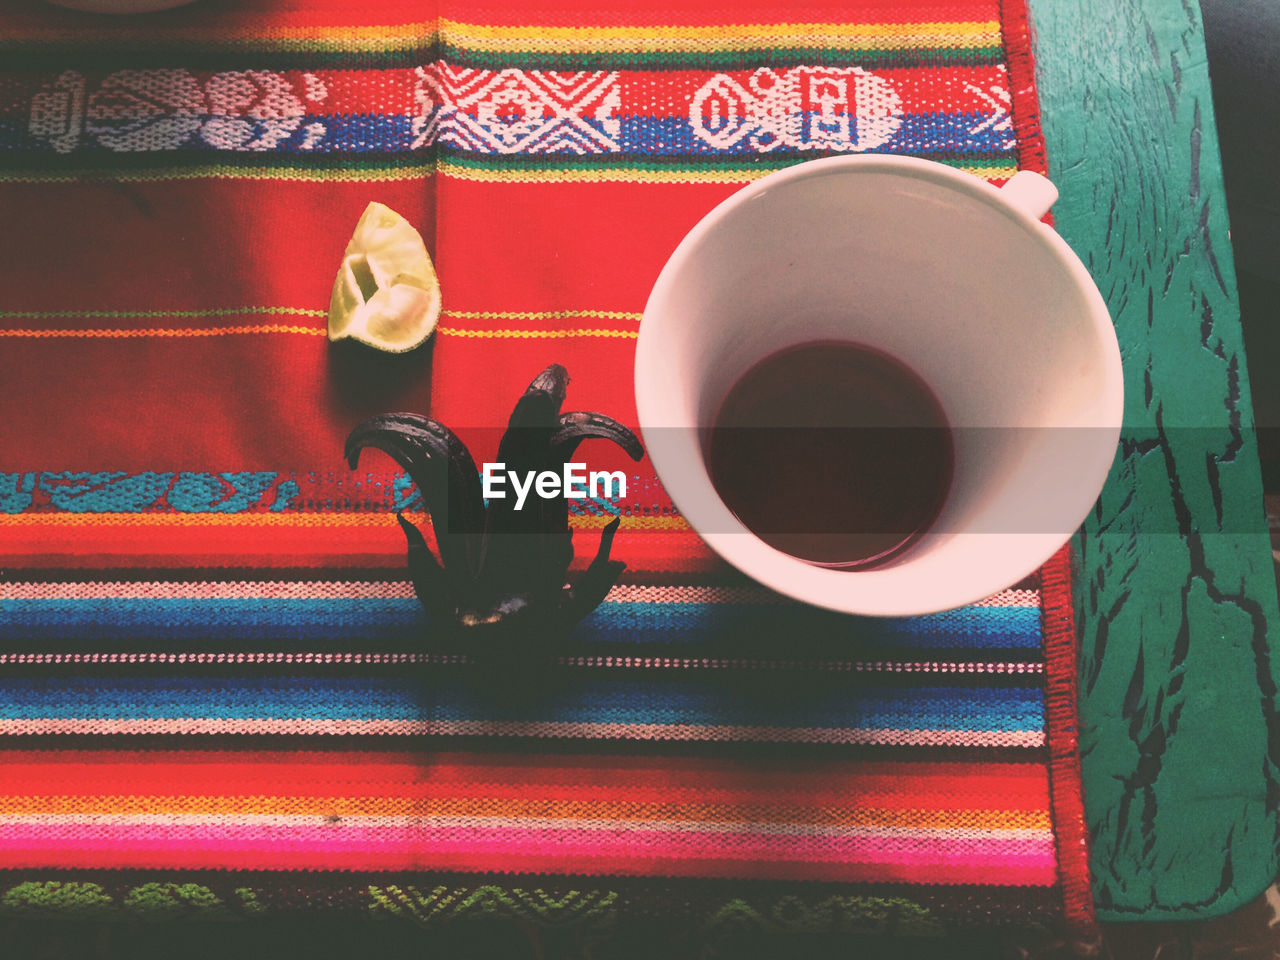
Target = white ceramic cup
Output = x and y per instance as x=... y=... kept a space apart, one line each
x=955 y=278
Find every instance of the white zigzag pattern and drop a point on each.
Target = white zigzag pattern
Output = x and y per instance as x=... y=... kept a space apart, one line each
x=517 y=111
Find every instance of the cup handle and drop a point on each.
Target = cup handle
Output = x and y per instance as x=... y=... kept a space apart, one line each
x=1030 y=192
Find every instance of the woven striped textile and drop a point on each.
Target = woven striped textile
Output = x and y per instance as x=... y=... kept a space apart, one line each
x=214 y=684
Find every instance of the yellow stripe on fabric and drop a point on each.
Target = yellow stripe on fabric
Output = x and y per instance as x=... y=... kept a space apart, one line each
x=685 y=39
x=570 y=40
x=508 y=333
x=243 y=329
x=524 y=174
x=270 y=520
x=197 y=805
x=444 y=168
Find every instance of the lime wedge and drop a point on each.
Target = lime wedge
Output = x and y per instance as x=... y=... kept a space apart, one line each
x=386 y=294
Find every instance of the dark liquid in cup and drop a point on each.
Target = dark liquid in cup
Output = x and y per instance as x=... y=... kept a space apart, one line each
x=832 y=452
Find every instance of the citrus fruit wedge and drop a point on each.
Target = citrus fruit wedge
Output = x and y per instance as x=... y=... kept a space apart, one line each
x=386 y=294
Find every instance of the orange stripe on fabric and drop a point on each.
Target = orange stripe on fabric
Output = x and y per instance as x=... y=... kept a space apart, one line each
x=349 y=772
x=934 y=27
x=465 y=806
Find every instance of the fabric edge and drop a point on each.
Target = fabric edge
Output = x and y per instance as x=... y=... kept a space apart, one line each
x=1066 y=791
x=1066 y=785
x=1016 y=31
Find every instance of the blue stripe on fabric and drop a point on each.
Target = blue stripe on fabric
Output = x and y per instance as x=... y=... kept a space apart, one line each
x=593 y=701
x=360 y=133
x=1001 y=628
x=184 y=620
x=205 y=492
x=394 y=620
x=958 y=133
x=917 y=133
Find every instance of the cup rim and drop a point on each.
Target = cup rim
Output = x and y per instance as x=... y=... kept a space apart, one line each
x=864 y=592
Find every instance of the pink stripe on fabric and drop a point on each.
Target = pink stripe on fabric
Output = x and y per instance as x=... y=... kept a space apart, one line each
x=385 y=589
x=1011 y=598
x=830 y=666
x=213 y=823
x=208 y=590
x=1029 y=861
x=648 y=663
x=679 y=593
x=585 y=731
x=239 y=657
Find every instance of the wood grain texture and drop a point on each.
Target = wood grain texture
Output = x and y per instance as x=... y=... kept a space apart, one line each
x=1180 y=737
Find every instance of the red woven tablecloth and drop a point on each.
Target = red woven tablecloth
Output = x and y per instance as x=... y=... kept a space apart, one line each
x=213 y=678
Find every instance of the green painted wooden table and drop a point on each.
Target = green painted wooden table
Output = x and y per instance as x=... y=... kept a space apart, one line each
x=1176 y=604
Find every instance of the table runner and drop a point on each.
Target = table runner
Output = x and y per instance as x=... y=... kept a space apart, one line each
x=215 y=692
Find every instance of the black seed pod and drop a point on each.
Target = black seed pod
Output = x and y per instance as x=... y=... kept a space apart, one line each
x=502 y=572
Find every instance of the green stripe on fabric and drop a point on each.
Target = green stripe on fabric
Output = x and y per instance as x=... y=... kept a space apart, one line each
x=460 y=165
x=324 y=55
x=746 y=58
x=684 y=162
